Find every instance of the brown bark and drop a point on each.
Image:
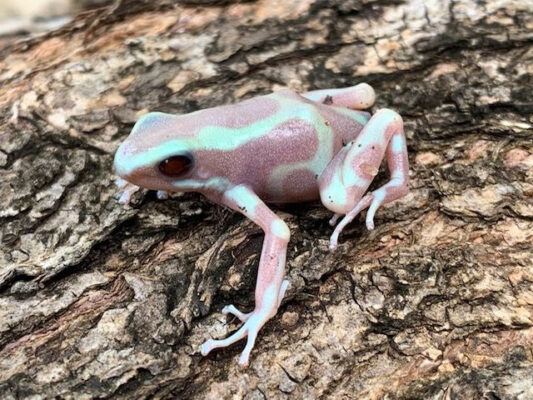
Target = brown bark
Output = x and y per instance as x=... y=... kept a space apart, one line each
x=98 y=300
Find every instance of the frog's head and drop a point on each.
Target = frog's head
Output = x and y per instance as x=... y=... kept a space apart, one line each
x=154 y=155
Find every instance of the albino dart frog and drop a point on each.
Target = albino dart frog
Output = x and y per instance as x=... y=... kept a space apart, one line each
x=280 y=148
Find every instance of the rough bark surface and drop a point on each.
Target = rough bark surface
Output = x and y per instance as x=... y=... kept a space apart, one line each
x=98 y=300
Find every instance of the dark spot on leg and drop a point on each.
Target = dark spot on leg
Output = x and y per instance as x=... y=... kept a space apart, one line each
x=328 y=100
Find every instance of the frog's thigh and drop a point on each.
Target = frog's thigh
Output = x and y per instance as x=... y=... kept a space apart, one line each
x=356 y=97
x=383 y=132
x=347 y=177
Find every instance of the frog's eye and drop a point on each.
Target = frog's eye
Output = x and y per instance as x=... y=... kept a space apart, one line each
x=176 y=165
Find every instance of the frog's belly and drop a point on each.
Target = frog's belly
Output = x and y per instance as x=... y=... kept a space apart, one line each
x=294 y=186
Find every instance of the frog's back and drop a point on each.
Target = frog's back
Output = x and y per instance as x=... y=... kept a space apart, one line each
x=282 y=154
x=306 y=140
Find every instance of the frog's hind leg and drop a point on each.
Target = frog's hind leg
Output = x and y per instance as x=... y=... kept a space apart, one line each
x=357 y=97
x=347 y=177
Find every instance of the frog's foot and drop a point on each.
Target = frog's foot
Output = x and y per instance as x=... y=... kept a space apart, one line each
x=363 y=203
x=334 y=219
x=251 y=328
x=128 y=190
x=253 y=322
x=162 y=194
x=387 y=193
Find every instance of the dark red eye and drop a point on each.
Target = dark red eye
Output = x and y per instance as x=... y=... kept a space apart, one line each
x=176 y=165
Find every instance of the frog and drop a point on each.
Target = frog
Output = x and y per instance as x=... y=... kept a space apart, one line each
x=282 y=147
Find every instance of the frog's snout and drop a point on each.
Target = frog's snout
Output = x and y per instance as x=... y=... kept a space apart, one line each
x=120 y=163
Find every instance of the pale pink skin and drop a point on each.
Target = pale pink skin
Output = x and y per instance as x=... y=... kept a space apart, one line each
x=248 y=170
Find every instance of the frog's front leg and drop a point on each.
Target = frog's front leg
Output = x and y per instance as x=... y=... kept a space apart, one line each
x=347 y=177
x=128 y=190
x=270 y=286
x=357 y=97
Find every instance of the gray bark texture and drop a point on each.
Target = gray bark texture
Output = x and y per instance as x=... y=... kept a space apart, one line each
x=99 y=300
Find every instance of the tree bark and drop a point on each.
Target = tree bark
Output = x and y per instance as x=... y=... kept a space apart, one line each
x=103 y=301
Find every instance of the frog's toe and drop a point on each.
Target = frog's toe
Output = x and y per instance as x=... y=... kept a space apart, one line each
x=377 y=201
x=125 y=198
x=121 y=183
x=231 y=309
x=360 y=206
x=244 y=359
x=334 y=219
x=370 y=223
x=211 y=344
x=128 y=190
x=207 y=346
x=162 y=194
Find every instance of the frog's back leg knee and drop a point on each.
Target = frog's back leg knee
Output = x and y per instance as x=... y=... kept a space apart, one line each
x=356 y=97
